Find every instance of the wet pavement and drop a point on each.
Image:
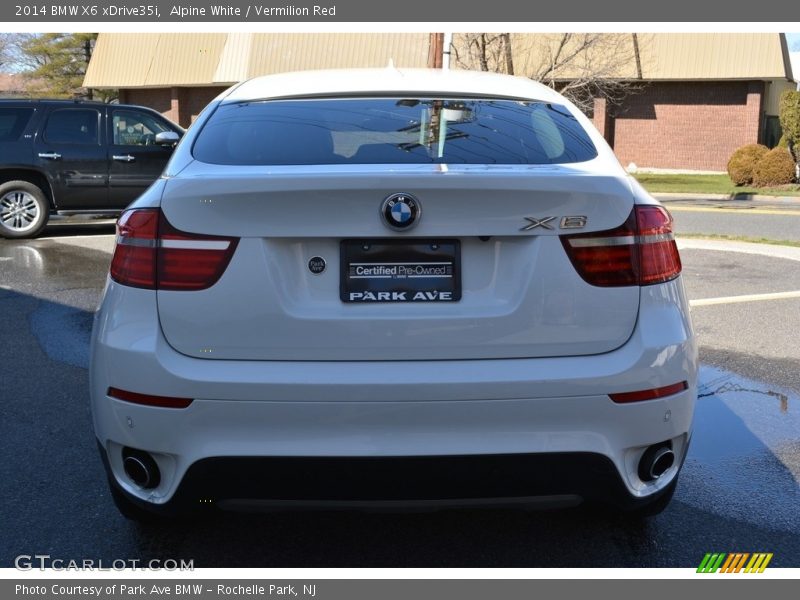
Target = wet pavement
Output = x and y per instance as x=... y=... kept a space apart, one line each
x=739 y=488
x=745 y=456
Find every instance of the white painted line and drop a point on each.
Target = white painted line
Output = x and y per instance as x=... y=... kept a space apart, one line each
x=79 y=237
x=773 y=251
x=745 y=210
x=744 y=298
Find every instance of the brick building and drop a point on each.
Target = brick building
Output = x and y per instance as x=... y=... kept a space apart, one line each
x=704 y=96
x=694 y=98
x=698 y=96
x=178 y=74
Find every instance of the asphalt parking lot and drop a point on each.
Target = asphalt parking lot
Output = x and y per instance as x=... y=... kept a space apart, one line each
x=739 y=489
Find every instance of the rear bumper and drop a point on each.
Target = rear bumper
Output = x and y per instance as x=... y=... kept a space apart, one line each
x=388 y=431
x=534 y=480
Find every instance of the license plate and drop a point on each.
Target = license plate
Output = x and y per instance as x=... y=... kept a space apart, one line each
x=400 y=271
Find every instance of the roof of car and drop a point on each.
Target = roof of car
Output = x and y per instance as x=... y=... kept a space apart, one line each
x=348 y=82
x=66 y=101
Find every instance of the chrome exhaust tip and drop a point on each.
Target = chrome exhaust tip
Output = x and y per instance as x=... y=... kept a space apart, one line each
x=655 y=461
x=141 y=468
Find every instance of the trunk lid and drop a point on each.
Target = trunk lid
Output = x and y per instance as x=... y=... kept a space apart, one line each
x=520 y=295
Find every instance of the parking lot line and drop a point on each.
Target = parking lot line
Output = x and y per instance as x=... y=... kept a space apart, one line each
x=77 y=237
x=744 y=298
x=745 y=210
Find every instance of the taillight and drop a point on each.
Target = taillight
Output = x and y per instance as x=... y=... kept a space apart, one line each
x=651 y=394
x=641 y=251
x=134 y=261
x=658 y=254
x=152 y=254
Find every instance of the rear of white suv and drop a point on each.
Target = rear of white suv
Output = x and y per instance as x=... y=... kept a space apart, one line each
x=372 y=287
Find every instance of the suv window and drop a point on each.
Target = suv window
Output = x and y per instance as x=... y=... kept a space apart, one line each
x=135 y=128
x=392 y=130
x=72 y=126
x=13 y=122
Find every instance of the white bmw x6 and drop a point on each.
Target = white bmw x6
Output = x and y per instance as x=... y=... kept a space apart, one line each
x=391 y=287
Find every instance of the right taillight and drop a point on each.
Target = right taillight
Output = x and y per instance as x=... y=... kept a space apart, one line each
x=152 y=254
x=641 y=251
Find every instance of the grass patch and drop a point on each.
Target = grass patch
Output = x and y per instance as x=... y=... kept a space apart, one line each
x=739 y=238
x=706 y=184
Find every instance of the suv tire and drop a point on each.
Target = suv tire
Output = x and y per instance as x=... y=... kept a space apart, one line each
x=24 y=210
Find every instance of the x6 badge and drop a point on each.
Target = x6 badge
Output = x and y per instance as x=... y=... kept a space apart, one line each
x=534 y=223
x=574 y=222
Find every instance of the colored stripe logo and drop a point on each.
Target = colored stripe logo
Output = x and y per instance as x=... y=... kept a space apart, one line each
x=734 y=562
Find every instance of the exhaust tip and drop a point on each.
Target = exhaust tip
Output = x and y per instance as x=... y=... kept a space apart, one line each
x=655 y=461
x=141 y=468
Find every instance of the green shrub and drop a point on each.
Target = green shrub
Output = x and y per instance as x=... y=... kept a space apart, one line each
x=789 y=116
x=783 y=142
x=743 y=161
x=775 y=168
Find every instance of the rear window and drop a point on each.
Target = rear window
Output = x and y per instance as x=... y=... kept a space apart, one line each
x=392 y=130
x=13 y=122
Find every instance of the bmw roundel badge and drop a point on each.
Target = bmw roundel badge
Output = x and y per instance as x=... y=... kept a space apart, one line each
x=401 y=211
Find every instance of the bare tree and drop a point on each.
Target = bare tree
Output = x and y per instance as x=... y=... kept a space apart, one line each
x=479 y=51
x=4 y=48
x=582 y=66
x=12 y=57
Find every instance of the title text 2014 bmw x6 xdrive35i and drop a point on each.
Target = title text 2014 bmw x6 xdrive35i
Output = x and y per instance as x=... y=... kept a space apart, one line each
x=76 y=157
x=421 y=287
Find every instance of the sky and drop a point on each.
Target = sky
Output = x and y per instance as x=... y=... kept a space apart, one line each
x=793 y=39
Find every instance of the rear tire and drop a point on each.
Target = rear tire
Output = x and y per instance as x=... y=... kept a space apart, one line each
x=24 y=210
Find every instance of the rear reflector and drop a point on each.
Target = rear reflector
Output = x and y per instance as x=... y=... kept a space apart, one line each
x=652 y=394
x=641 y=251
x=148 y=400
x=152 y=254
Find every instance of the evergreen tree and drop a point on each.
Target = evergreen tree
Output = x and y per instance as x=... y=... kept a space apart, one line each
x=790 y=121
x=56 y=65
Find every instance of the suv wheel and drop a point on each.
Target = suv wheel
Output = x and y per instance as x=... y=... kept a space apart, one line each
x=24 y=209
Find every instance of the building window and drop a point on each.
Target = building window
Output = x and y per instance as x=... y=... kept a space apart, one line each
x=772 y=131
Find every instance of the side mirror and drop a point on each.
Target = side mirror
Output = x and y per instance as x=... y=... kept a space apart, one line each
x=167 y=138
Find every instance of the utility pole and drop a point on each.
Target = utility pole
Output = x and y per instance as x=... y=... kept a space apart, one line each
x=87 y=51
x=638 y=57
x=436 y=51
x=505 y=39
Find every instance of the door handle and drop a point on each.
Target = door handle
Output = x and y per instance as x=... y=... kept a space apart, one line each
x=50 y=155
x=124 y=157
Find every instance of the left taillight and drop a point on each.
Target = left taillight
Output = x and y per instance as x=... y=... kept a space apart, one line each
x=152 y=254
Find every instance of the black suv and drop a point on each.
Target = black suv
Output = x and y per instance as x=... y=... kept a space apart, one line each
x=71 y=157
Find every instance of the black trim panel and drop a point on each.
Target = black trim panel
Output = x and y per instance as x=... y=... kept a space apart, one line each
x=411 y=479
